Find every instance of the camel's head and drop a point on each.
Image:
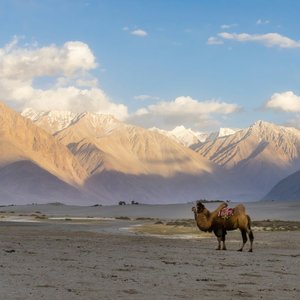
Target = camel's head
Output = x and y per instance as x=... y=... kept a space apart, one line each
x=200 y=207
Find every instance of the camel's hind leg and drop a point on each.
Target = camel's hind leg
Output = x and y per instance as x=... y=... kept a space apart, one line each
x=251 y=238
x=223 y=240
x=244 y=236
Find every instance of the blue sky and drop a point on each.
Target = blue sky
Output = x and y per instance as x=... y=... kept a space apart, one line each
x=202 y=64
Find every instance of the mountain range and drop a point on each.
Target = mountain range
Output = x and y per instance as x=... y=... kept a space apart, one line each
x=89 y=158
x=184 y=136
x=193 y=139
x=260 y=155
x=287 y=189
x=33 y=164
x=126 y=162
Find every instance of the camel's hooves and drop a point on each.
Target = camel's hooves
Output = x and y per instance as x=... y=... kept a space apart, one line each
x=224 y=249
x=240 y=250
x=250 y=250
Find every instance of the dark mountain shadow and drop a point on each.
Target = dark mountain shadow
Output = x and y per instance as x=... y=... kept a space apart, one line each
x=24 y=182
x=113 y=187
x=287 y=189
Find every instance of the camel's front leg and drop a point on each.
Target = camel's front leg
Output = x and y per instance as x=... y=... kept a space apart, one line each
x=219 y=243
x=224 y=246
x=219 y=234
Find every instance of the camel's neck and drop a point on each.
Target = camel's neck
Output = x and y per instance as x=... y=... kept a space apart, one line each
x=205 y=218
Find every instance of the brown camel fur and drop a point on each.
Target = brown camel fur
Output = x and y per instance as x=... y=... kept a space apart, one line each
x=210 y=221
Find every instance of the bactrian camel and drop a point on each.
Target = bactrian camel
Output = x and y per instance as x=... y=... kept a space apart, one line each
x=211 y=221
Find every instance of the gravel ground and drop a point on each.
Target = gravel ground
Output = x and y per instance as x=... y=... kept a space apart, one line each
x=70 y=261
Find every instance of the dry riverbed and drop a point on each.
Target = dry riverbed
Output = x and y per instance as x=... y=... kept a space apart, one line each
x=72 y=259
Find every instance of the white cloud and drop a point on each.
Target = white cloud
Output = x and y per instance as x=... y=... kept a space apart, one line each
x=139 y=32
x=67 y=67
x=228 y=26
x=27 y=63
x=145 y=97
x=87 y=83
x=268 y=39
x=183 y=110
x=262 y=22
x=142 y=112
x=214 y=41
x=190 y=106
x=287 y=101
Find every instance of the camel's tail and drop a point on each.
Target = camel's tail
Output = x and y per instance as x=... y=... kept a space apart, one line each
x=249 y=222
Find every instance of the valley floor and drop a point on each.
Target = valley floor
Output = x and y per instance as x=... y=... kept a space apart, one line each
x=63 y=261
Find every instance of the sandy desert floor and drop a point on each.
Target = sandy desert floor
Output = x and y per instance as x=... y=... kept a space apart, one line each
x=60 y=260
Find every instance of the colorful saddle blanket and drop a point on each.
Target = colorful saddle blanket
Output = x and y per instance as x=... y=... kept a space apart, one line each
x=226 y=212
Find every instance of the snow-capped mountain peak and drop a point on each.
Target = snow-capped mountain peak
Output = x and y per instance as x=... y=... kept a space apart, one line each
x=55 y=121
x=223 y=132
x=51 y=121
x=185 y=136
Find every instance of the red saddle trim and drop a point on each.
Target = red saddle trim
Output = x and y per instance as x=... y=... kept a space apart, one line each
x=225 y=212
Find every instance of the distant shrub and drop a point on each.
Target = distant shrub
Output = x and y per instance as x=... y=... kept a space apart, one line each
x=211 y=201
x=41 y=217
x=122 y=218
x=159 y=223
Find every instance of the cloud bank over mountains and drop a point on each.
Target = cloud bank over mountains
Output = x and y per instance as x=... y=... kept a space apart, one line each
x=61 y=78
x=185 y=110
x=66 y=67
